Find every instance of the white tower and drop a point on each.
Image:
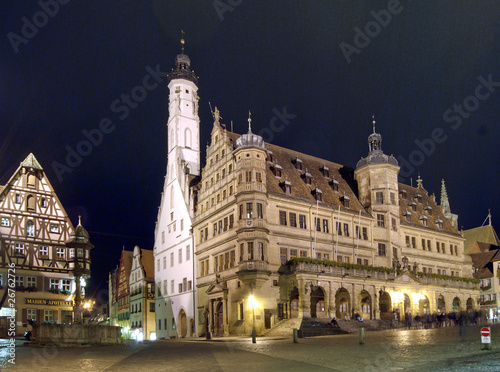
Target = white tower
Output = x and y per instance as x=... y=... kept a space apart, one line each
x=174 y=243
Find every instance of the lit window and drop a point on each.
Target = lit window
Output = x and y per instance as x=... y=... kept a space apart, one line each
x=54 y=228
x=259 y=210
x=19 y=249
x=249 y=210
x=54 y=284
x=60 y=252
x=43 y=251
x=30 y=229
x=302 y=221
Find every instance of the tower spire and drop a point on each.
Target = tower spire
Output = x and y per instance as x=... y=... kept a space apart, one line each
x=182 y=42
x=373 y=122
x=249 y=121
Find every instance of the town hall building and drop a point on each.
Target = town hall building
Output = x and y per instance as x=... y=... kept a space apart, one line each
x=279 y=234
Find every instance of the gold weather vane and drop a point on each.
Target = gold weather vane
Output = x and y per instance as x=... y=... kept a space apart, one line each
x=373 y=122
x=182 y=41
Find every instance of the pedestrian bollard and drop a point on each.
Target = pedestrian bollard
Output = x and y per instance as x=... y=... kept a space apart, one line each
x=295 y=336
x=361 y=335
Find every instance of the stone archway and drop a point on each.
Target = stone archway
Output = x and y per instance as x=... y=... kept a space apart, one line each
x=182 y=323
x=219 y=320
x=317 y=302
x=385 y=305
x=365 y=304
x=441 y=304
x=342 y=304
x=424 y=306
x=456 y=304
x=294 y=303
x=470 y=304
x=407 y=304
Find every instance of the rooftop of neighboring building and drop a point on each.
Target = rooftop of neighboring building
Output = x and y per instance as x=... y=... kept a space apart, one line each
x=147 y=262
x=483 y=234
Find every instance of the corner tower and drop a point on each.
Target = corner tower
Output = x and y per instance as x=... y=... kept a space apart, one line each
x=377 y=177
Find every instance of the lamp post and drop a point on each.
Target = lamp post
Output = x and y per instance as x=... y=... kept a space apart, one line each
x=254 y=333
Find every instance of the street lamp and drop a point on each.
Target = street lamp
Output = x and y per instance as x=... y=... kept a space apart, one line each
x=251 y=299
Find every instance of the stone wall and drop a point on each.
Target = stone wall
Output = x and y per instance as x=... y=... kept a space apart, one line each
x=70 y=334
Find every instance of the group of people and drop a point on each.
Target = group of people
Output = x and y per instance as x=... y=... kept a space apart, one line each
x=437 y=320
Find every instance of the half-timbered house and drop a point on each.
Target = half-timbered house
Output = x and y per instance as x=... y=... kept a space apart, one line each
x=35 y=263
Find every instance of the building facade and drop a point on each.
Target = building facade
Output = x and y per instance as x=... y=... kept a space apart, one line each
x=280 y=234
x=173 y=247
x=123 y=292
x=142 y=295
x=34 y=256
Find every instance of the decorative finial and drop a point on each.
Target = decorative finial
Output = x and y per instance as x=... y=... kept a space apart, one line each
x=489 y=217
x=79 y=220
x=182 y=41
x=373 y=122
x=249 y=121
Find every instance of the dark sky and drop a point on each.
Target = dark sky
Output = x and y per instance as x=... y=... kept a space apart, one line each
x=330 y=64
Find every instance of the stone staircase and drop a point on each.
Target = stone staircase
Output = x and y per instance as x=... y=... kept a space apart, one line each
x=284 y=328
x=312 y=327
x=320 y=327
x=352 y=326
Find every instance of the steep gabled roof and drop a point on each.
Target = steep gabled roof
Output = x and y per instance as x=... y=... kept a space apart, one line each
x=405 y=204
x=31 y=162
x=284 y=158
x=483 y=262
x=483 y=234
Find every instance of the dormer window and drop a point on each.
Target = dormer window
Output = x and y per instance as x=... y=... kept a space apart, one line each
x=277 y=170
x=407 y=215
x=345 y=201
x=307 y=177
x=423 y=219
x=418 y=198
x=317 y=193
x=439 y=223
x=298 y=163
x=335 y=184
x=286 y=186
x=428 y=209
x=402 y=193
x=413 y=206
x=270 y=156
x=325 y=171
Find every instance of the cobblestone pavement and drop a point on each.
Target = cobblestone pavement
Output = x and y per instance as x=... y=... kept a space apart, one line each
x=417 y=350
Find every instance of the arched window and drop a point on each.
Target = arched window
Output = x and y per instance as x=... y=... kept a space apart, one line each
x=30 y=229
x=187 y=138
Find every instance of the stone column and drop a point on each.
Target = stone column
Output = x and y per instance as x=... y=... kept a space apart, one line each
x=225 y=314
x=304 y=298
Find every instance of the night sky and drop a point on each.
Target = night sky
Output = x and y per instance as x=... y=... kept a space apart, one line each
x=315 y=71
